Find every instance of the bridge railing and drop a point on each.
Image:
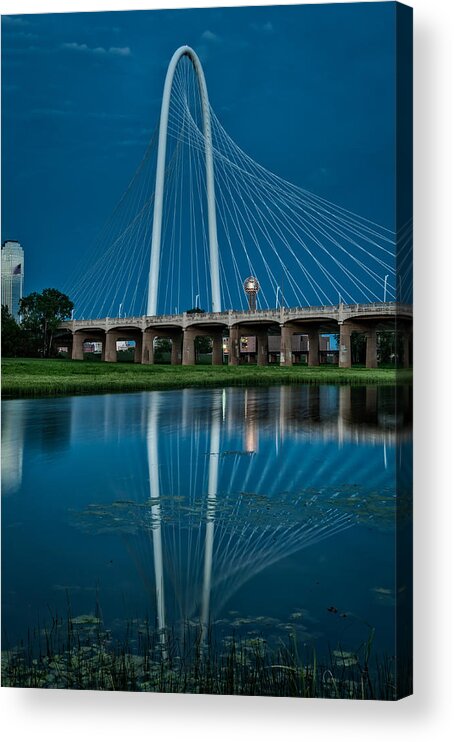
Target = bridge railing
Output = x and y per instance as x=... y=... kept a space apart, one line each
x=336 y=309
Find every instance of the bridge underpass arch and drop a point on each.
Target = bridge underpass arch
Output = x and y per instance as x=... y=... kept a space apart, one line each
x=250 y=342
x=308 y=339
x=83 y=339
x=360 y=342
x=121 y=335
x=152 y=354
x=214 y=333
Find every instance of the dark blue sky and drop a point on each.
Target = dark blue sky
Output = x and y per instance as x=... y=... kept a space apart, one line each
x=307 y=91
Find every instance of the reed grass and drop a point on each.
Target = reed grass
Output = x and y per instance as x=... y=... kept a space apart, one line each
x=66 y=655
x=38 y=377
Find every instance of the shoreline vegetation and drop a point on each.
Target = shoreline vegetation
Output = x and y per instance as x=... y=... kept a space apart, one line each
x=80 y=654
x=30 y=377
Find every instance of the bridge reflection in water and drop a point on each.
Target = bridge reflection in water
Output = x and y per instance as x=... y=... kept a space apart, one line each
x=223 y=508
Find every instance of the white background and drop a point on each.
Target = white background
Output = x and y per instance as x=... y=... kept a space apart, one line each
x=77 y=715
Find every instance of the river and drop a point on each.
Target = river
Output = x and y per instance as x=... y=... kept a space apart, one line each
x=261 y=512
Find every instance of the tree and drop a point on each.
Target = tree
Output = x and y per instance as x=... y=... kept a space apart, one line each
x=12 y=340
x=41 y=314
x=390 y=347
x=162 y=346
x=203 y=344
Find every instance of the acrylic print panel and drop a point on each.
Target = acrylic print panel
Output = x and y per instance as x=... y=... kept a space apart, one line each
x=207 y=420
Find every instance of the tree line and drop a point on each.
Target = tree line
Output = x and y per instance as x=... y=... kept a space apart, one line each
x=40 y=314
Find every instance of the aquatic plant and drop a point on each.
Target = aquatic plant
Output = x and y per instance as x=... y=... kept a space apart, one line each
x=79 y=653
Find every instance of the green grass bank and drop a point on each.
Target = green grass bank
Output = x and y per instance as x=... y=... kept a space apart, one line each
x=30 y=377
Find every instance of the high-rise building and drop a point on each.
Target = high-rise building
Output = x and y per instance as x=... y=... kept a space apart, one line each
x=12 y=276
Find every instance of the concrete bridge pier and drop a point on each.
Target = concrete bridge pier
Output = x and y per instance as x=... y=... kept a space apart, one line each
x=371 y=348
x=189 y=335
x=234 y=346
x=77 y=353
x=138 y=339
x=217 y=358
x=175 y=355
x=313 y=358
x=262 y=348
x=345 y=345
x=286 y=345
x=147 y=346
x=110 y=347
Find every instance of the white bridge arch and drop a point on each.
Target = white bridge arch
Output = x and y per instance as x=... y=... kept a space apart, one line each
x=184 y=51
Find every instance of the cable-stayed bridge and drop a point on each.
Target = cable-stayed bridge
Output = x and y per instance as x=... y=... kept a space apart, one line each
x=199 y=218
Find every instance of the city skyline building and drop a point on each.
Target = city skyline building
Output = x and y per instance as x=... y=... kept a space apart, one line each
x=12 y=276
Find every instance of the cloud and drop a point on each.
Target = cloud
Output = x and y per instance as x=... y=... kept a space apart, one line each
x=42 y=112
x=25 y=35
x=263 y=27
x=116 y=51
x=14 y=20
x=210 y=36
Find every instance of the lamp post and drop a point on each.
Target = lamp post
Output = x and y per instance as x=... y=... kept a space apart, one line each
x=119 y=310
x=196 y=301
x=384 y=290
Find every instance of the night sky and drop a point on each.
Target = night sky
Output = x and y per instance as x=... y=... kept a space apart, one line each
x=307 y=91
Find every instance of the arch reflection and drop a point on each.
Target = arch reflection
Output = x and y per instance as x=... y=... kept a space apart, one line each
x=233 y=487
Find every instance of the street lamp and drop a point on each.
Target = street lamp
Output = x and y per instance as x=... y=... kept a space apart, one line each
x=196 y=305
x=251 y=287
x=119 y=309
x=384 y=290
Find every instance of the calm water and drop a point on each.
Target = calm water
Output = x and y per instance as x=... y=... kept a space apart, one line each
x=266 y=510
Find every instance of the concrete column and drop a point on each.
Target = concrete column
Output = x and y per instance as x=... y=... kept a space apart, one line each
x=217 y=350
x=147 y=346
x=175 y=355
x=138 y=349
x=314 y=348
x=405 y=349
x=77 y=353
x=188 y=347
x=345 y=345
x=371 y=348
x=262 y=348
x=286 y=346
x=234 y=346
x=110 y=354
